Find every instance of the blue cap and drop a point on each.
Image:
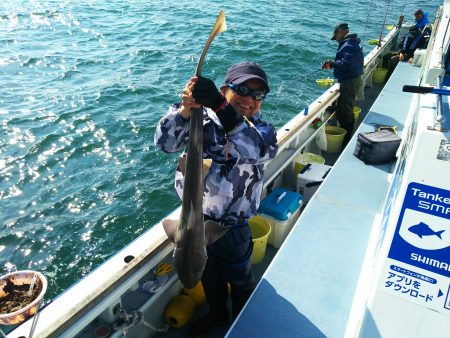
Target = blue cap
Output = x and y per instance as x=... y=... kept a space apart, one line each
x=247 y=70
x=339 y=26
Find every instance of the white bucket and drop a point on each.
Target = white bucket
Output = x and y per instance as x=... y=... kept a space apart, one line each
x=21 y=278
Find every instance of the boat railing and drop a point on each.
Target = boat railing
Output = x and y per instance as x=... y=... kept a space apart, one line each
x=433 y=67
x=297 y=133
x=375 y=56
x=434 y=63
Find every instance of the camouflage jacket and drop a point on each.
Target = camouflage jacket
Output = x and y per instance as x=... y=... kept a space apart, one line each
x=232 y=187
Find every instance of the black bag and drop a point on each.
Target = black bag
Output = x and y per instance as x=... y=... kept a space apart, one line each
x=377 y=147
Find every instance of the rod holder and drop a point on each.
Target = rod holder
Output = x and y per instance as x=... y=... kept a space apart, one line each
x=440 y=117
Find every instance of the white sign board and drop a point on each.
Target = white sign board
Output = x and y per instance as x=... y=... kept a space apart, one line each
x=418 y=264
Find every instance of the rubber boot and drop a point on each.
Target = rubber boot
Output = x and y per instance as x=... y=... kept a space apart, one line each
x=239 y=297
x=216 y=292
x=348 y=134
x=204 y=325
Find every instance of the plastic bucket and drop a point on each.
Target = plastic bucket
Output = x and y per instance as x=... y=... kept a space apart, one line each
x=260 y=229
x=356 y=112
x=306 y=158
x=325 y=82
x=379 y=75
x=19 y=278
x=335 y=137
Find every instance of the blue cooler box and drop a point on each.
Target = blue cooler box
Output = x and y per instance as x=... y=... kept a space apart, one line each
x=281 y=209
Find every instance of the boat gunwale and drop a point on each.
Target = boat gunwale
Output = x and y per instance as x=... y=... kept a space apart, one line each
x=285 y=139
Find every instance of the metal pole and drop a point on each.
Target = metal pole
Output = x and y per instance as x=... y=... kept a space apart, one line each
x=440 y=118
x=35 y=318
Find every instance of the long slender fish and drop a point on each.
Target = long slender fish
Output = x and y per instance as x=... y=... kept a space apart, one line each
x=190 y=234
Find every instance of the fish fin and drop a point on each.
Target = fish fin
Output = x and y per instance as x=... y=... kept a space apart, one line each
x=213 y=231
x=439 y=233
x=205 y=166
x=182 y=164
x=170 y=227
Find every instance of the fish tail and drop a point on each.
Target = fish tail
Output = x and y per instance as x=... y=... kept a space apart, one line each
x=439 y=233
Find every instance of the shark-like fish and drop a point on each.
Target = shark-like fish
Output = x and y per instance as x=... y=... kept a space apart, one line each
x=423 y=229
x=191 y=234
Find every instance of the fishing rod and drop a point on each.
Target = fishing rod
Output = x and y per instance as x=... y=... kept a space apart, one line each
x=440 y=120
x=403 y=8
x=384 y=22
x=369 y=10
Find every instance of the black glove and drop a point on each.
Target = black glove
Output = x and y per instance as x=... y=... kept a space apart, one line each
x=206 y=93
x=328 y=64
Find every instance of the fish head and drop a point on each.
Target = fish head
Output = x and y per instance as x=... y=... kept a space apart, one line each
x=421 y=229
x=190 y=265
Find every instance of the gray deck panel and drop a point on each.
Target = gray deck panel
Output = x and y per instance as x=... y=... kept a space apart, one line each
x=308 y=289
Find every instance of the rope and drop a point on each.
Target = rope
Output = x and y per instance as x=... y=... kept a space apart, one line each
x=384 y=22
x=129 y=320
x=165 y=327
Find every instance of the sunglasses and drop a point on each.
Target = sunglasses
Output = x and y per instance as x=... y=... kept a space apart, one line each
x=258 y=95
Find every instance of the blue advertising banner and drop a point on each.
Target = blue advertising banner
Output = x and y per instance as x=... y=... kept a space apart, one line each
x=422 y=235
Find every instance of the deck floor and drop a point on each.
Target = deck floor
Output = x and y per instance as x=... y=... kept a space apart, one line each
x=220 y=331
x=308 y=289
x=370 y=95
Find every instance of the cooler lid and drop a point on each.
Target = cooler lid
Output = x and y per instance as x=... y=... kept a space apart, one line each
x=280 y=204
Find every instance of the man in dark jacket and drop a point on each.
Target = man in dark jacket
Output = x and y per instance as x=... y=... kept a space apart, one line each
x=348 y=68
x=415 y=38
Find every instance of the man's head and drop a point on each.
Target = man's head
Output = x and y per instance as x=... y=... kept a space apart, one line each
x=340 y=31
x=245 y=86
x=418 y=14
x=246 y=70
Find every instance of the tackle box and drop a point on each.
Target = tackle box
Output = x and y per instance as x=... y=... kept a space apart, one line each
x=281 y=209
x=310 y=178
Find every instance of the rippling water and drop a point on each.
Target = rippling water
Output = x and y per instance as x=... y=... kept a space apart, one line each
x=83 y=83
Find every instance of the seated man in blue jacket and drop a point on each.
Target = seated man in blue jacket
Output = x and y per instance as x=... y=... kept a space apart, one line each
x=348 y=68
x=421 y=19
x=412 y=40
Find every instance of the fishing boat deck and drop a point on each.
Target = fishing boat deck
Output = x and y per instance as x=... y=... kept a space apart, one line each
x=309 y=288
x=220 y=331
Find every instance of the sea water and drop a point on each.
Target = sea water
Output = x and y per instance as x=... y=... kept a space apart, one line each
x=83 y=84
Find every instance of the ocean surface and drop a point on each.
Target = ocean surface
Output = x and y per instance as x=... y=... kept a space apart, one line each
x=83 y=84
